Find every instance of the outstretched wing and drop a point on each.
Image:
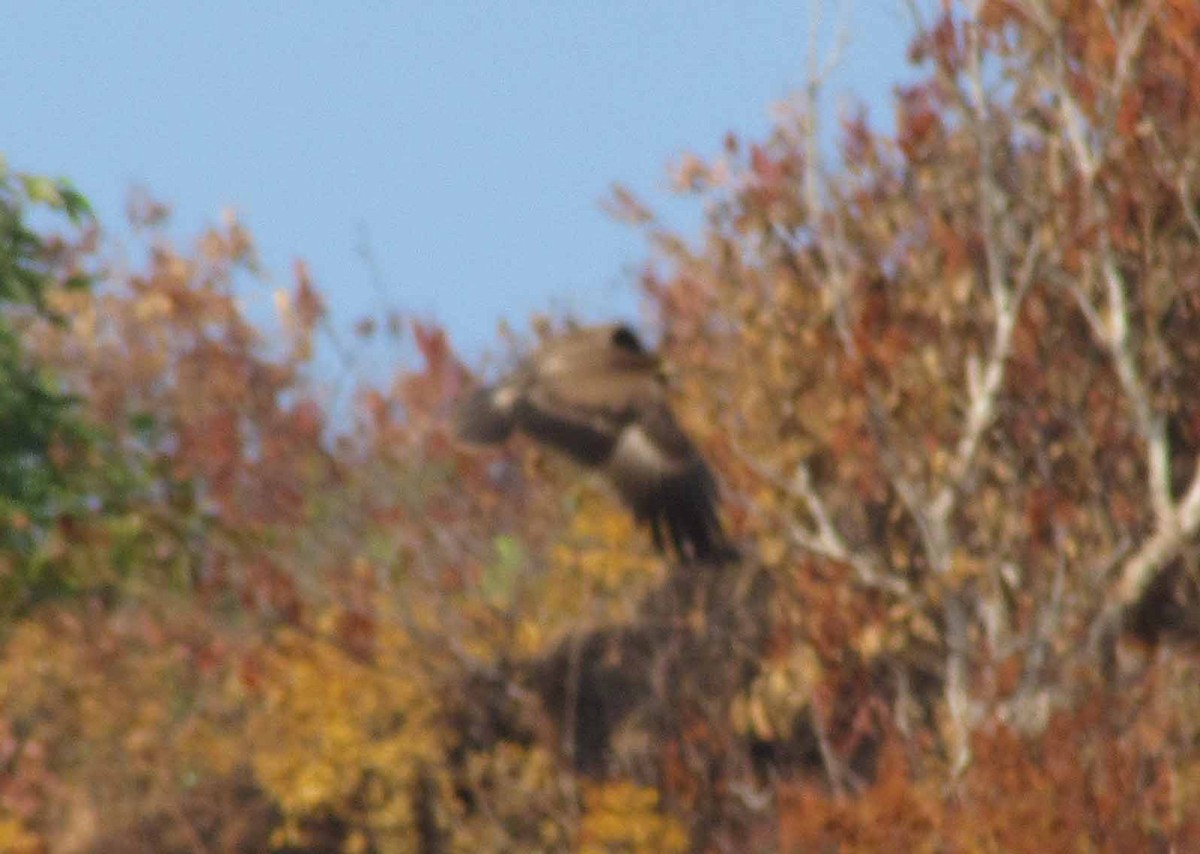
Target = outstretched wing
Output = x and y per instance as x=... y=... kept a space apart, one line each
x=580 y=426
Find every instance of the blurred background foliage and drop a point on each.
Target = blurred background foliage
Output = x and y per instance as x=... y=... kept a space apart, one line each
x=948 y=382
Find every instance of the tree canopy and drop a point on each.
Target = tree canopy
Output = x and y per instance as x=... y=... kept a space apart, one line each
x=946 y=379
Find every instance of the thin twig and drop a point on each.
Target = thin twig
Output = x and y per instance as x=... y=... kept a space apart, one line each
x=834 y=767
x=825 y=541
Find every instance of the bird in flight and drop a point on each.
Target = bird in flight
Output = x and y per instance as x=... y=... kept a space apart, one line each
x=599 y=396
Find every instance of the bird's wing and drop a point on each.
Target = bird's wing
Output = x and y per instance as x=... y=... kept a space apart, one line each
x=580 y=392
x=487 y=415
x=577 y=406
x=662 y=477
x=596 y=396
x=586 y=431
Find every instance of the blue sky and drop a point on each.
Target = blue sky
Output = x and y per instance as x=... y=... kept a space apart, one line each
x=467 y=143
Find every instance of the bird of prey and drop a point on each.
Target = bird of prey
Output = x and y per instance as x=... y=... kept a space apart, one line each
x=598 y=396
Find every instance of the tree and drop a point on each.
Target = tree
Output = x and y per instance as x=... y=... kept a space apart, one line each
x=947 y=382
x=953 y=377
x=39 y=424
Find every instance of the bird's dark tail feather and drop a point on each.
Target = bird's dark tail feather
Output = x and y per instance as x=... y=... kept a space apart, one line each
x=689 y=527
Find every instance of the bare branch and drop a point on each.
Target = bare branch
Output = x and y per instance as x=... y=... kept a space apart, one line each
x=1080 y=294
x=817 y=74
x=1129 y=42
x=1151 y=426
x=983 y=387
x=819 y=71
x=989 y=195
x=1088 y=155
x=1174 y=524
x=1074 y=123
x=984 y=384
x=834 y=768
x=1183 y=188
x=958 y=683
x=1171 y=534
x=933 y=536
x=825 y=541
x=916 y=19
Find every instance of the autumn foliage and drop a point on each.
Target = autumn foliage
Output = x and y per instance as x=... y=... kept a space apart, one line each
x=948 y=379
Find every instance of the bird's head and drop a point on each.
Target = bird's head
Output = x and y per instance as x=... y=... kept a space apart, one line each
x=630 y=349
x=625 y=339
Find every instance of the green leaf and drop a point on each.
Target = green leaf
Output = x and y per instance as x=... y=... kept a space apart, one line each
x=42 y=189
x=75 y=204
x=500 y=577
x=142 y=422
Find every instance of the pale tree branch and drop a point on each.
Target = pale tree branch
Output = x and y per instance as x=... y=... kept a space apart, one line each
x=835 y=770
x=1171 y=534
x=989 y=195
x=1129 y=41
x=916 y=19
x=1089 y=153
x=984 y=383
x=1151 y=425
x=1030 y=704
x=818 y=71
x=983 y=387
x=1183 y=188
x=1175 y=522
x=912 y=496
x=823 y=538
x=958 y=682
x=1080 y=294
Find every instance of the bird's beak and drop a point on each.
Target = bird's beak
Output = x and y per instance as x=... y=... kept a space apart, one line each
x=667 y=371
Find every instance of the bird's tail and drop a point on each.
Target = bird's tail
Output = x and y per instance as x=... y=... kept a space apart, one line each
x=485 y=416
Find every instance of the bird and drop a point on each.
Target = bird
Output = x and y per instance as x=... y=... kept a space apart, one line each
x=599 y=396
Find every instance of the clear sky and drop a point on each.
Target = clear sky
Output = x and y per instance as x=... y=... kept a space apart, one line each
x=467 y=143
